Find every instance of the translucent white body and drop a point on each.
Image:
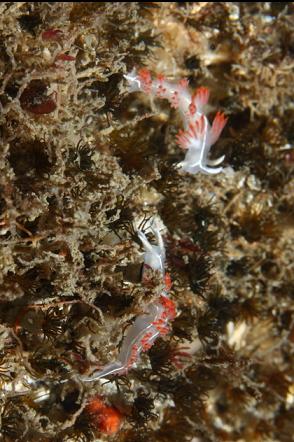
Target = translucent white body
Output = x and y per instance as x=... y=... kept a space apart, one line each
x=132 y=344
x=154 y=255
x=196 y=158
x=192 y=109
x=148 y=326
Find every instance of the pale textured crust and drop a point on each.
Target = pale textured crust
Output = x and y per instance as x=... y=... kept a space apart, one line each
x=85 y=163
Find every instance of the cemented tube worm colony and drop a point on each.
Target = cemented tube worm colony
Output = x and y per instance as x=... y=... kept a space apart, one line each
x=146 y=222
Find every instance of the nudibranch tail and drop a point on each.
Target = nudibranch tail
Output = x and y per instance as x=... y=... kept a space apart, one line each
x=108 y=370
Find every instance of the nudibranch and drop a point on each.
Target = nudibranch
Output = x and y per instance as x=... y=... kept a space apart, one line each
x=198 y=135
x=154 y=322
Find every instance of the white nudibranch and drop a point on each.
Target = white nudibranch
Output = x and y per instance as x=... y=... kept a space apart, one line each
x=198 y=135
x=154 y=255
x=142 y=334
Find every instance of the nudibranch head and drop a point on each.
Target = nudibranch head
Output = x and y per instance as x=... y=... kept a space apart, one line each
x=154 y=255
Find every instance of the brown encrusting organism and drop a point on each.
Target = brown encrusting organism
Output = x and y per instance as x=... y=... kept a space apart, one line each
x=85 y=163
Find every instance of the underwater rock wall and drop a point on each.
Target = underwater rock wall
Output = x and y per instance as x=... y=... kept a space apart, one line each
x=85 y=164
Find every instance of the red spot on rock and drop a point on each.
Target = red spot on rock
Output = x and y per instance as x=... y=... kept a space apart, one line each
x=105 y=418
x=65 y=57
x=52 y=34
x=34 y=99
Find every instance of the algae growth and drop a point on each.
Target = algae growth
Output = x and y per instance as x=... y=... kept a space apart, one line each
x=85 y=163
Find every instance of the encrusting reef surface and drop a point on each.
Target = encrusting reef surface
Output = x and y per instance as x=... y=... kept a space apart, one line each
x=86 y=161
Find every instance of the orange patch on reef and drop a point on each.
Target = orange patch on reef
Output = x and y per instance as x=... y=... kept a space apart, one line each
x=106 y=418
